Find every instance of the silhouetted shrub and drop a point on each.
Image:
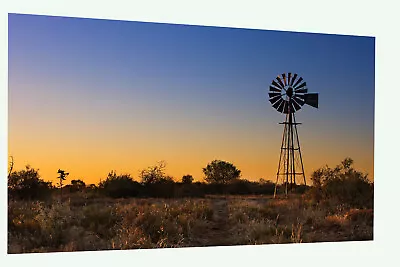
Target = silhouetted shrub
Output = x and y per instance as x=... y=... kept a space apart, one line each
x=153 y=174
x=301 y=189
x=156 y=183
x=265 y=187
x=344 y=184
x=164 y=187
x=117 y=186
x=76 y=186
x=240 y=187
x=27 y=184
x=190 y=190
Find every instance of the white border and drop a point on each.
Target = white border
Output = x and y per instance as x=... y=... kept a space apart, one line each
x=366 y=18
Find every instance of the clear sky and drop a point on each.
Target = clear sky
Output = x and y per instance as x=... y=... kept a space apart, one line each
x=90 y=96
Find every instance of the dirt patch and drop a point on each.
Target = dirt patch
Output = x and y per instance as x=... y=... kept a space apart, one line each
x=217 y=233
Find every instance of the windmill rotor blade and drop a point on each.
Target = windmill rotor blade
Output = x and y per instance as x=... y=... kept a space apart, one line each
x=280 y=82
x=299 y=100
x=311 y=99
x=274 y=89
x=281 y=106
x=273 y=94
x=289 y=78
x=298 y=81
x=277 y=103
x=284 y=78
x=300 y=86
x=294 y=78
x=296 y=106
x=299 y=96
x=301 y=91
x=277 y=85
x=274 y=99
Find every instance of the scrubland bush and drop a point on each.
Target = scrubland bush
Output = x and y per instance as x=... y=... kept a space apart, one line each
x=192 y=190
x=342 y=184
x=246 y=187
x=154 y=174
x=164 y=188
x=76 y=186
x=27 y=184
x=118 y=186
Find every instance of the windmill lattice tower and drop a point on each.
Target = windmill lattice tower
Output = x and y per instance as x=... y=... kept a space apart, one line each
x=287 y=94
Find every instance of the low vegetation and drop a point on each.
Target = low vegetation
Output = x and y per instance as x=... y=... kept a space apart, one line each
x=157 y=212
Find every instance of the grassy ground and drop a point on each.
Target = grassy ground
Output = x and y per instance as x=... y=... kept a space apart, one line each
x=80 y=223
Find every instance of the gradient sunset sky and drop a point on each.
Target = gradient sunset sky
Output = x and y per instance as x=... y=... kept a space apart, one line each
x=90 y=96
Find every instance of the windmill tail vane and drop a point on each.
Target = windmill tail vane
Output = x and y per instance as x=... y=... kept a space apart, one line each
x=287 y=94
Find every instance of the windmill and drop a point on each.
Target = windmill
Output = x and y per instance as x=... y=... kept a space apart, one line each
x=287 y=94
x=62 y=176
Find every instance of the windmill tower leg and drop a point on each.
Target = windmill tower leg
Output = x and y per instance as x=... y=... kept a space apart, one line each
x=288 y=154
x=282 y=156
x=292 y=149
x=288 y=159
x=298 y=147
x=290 y=170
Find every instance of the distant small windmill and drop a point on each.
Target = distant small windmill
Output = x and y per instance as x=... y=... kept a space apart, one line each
x=62 y=176
x=287 y=94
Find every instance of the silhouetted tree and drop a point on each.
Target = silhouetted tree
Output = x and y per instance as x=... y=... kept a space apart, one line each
x=220 y=172
x=187 y=179
x=27 y=184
